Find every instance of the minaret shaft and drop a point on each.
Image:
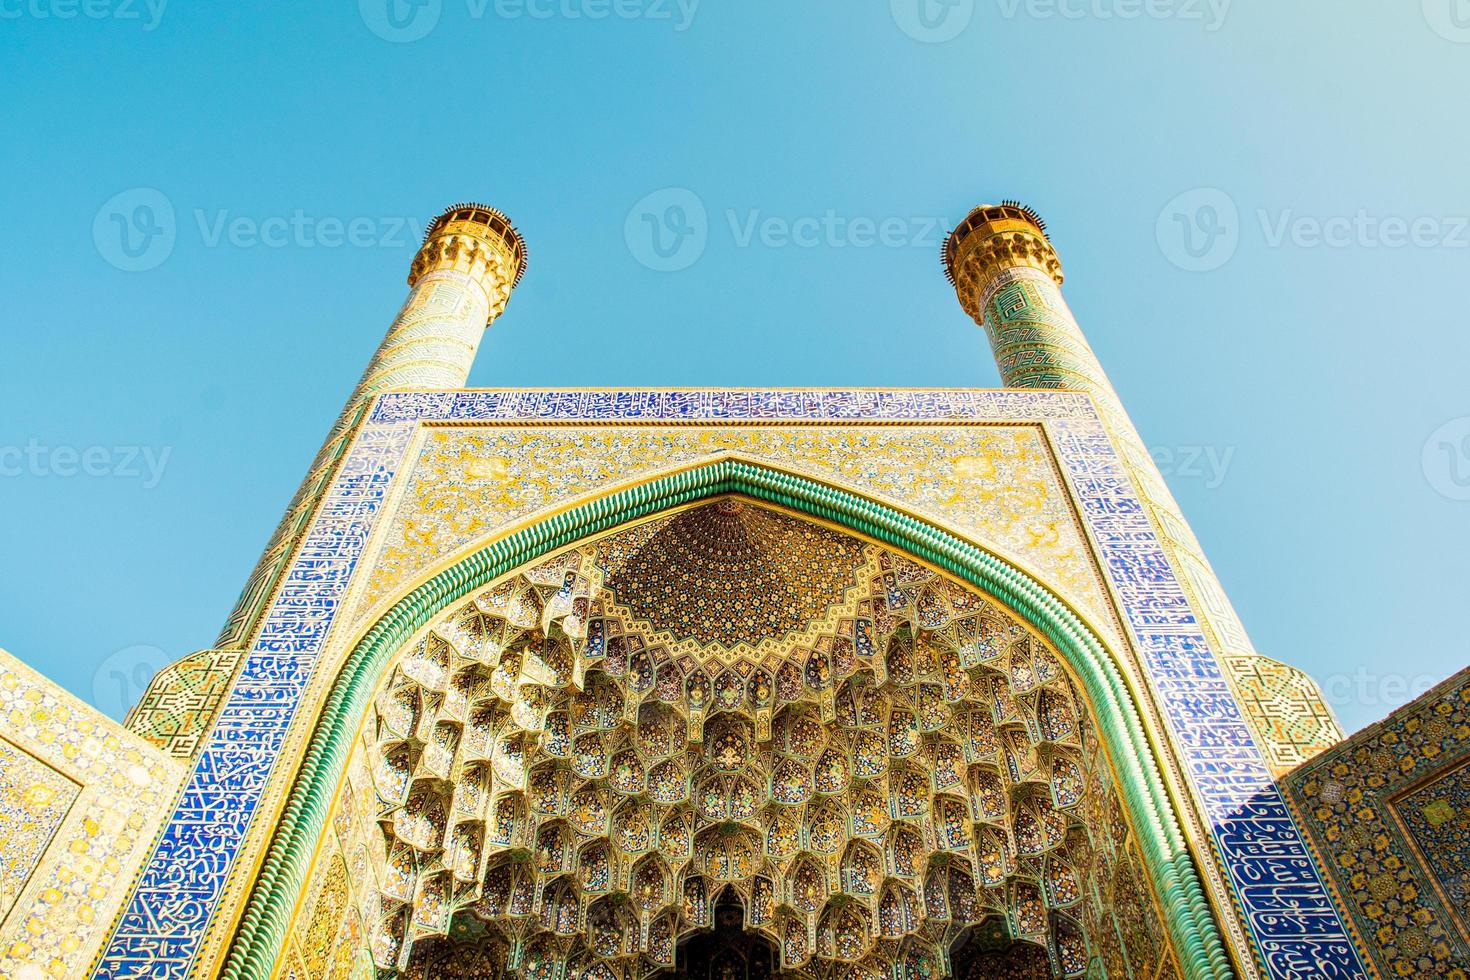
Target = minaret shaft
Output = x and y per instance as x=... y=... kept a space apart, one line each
x=1009 y=279
x=460 y=281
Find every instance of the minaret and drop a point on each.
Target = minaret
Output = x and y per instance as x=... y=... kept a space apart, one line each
x=460 y=281
x=1009 y=279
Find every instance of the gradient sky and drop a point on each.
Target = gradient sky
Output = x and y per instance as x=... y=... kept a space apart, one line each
x=1299 y=359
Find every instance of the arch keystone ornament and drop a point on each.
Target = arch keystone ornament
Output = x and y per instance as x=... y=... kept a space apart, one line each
x=840 y=684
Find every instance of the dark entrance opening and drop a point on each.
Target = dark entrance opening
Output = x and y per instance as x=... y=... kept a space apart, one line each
x=986 y=951
x=726 y=952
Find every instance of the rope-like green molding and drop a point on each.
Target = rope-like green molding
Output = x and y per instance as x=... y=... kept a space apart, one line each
x=261 y=933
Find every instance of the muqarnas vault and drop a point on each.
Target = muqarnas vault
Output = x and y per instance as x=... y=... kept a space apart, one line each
x=618 y=684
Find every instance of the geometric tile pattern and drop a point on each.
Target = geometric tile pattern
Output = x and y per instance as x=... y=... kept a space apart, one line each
x=1037 y=344
x=328 y=941
x=160 y=933
x=1280 y=893
x=1286 y=707
x=460 y=282
x=1388 y=812
x=1283 y=902
x=181 y=701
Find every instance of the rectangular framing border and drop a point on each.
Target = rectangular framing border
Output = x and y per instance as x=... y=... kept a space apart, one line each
x=1393 y=808
x=202 y=863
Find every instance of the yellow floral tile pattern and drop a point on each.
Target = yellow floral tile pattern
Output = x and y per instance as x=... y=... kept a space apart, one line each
x=995 y=484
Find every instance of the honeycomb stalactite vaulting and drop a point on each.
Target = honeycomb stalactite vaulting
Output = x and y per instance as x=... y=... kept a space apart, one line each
x=577 y=781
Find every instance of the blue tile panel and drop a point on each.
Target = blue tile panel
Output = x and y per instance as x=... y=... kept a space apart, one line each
x=1286 y=907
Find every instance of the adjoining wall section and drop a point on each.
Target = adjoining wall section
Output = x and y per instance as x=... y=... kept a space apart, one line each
x=81 y=800
x=1387 y=813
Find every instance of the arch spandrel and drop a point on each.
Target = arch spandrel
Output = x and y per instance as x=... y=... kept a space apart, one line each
x=992 y=483
x=618 y=815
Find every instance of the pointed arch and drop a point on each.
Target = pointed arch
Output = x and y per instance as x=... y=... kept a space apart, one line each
x=264 y=922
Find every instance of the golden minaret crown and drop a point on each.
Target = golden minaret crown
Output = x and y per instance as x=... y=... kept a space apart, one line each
x=479 y=241
x=994 y=237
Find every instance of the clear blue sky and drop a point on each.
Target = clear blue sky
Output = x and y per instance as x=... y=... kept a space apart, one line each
x=1307 y=373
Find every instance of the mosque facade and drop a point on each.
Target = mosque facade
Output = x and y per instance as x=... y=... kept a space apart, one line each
x=733 y=684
